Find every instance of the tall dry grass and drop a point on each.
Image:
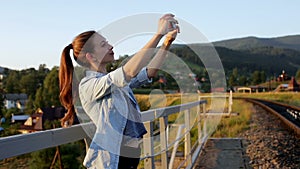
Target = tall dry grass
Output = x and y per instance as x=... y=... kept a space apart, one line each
x=233 y=125
x=292 y=98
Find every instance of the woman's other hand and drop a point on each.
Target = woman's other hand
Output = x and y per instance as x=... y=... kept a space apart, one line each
x=166 y=24
x=171 y=36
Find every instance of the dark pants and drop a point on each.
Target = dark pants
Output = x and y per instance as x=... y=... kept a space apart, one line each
x=129 y=158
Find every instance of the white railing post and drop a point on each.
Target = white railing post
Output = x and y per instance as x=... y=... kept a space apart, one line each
x=187 y=141
x=199 y=122
x=163 y=123
x=230 y=102
x=148 y=146
x=204 y=122
x=176 y=144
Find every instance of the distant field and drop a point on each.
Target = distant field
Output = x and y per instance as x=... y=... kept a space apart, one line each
x=152 y=101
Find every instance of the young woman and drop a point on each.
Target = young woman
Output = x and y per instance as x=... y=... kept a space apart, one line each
x=107 y=98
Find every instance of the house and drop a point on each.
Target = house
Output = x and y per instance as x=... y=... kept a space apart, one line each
x=19 y=118
x=37 y=120
x=250 y=89
x=32 y=124
x=283 y=77
x=217 y=90
x=13 y=100
x=293 y=85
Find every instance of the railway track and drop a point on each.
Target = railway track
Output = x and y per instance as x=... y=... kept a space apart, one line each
x=290 y=115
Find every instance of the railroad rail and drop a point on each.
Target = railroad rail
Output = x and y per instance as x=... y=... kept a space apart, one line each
x=289 y=114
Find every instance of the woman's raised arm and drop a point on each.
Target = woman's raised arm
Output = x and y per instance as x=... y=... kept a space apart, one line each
x=143 y=57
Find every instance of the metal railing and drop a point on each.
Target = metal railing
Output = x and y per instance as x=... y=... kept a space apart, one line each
x=25 y=143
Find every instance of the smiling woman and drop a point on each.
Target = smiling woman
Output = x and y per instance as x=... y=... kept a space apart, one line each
x=107 y=98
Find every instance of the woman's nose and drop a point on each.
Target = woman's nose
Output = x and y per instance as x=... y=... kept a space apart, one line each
x=110 y=47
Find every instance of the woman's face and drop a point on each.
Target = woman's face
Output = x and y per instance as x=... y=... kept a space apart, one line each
x=103 y=51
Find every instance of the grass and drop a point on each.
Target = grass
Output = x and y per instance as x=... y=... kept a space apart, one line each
x=232 y=126
x=221 y=127
x=292 y=98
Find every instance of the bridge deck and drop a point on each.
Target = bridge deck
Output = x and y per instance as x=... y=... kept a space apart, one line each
x=224 y=153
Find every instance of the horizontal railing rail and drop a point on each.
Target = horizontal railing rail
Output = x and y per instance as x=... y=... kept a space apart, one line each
x=25 y=143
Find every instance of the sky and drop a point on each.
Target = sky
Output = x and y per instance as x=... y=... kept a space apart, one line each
x=34 y=32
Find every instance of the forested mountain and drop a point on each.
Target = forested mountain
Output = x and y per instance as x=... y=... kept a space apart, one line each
x=269 y=59
x=288 y=42
x=272 y=60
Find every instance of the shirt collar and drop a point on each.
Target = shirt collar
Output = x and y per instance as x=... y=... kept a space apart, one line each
x=90 y=73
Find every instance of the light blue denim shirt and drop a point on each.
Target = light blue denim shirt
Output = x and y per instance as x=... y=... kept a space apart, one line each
x=106 y=100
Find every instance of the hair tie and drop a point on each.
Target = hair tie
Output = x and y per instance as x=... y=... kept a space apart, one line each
x=70 y=46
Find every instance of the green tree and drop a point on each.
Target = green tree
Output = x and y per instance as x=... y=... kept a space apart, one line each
x=11 y=130
x=51 y=88
x=42 y=159
x=243 y=80
x=70 y=157
x=28 y=84
x=233 y=78
x=235 y=73
x=256 y=78
x=29 y=107
x=39 y=99
x=11 y=82
x=70 y=153
x=263 y=76
x=48 y=94
x=41 y=74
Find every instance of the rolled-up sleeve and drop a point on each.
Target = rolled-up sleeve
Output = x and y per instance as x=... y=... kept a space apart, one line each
x=141 y=79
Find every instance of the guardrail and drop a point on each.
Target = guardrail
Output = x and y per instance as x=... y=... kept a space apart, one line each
x=190 y=154
x=25 y=143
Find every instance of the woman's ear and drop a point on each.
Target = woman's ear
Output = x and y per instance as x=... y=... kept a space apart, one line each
x=89 y=57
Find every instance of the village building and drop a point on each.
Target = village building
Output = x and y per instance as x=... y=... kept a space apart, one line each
x=36 y=122
x=293 y=85
x=283 y=77
x=13 y=100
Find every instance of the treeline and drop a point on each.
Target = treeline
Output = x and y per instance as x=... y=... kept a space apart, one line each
x=42 y=89
x=241 y=67
x=41 y=86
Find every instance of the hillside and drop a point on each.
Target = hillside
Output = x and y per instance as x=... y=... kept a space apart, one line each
x=288 y=42
x=269 y=59
x=272 y=60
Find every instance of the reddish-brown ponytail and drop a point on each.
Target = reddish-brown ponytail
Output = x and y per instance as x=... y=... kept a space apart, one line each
x=66 y=72
x=65 y=84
